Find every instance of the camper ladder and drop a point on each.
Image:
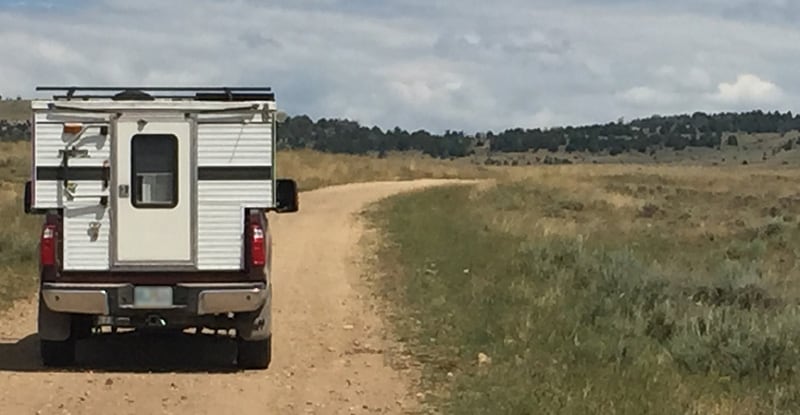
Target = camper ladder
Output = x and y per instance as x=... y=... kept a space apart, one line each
x=70 y=151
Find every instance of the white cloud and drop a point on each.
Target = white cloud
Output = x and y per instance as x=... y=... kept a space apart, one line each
x=748 y=89
x=422 y=83
x=644 y=95
x=436 y=64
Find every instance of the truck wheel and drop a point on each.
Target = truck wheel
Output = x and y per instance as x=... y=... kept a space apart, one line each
x=254 y=354
x=57 y=353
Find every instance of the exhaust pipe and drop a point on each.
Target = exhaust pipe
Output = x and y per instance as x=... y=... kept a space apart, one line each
x=155 y=321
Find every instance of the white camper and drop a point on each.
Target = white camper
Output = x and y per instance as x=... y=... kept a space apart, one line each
x=155 y=203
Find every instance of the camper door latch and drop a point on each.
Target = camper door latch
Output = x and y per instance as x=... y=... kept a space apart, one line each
x=124 y=190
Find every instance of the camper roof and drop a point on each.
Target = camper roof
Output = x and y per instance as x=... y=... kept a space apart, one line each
x=127 y=93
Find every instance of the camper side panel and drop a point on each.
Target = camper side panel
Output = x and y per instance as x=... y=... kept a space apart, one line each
x=235 y=172
x=86 y=221
x=83 y=251
x=234 y=144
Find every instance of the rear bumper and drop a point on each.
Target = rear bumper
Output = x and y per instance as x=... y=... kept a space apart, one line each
x=197 y=299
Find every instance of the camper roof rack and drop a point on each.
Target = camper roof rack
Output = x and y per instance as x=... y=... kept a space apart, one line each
x=127 y=93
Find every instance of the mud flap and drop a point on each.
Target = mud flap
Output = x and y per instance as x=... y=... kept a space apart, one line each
x=53 y=326
x=257 y=325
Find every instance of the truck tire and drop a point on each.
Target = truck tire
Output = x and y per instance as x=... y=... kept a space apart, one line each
x=57 y=353
x=255 y=354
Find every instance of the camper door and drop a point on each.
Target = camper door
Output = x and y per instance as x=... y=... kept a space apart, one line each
x=153 y=197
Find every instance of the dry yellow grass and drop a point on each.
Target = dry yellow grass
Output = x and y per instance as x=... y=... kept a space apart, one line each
x=627 y=189
x=313 y=169
x=696 y=214
x=15 y=110
x=709 y=406
x=14 y=168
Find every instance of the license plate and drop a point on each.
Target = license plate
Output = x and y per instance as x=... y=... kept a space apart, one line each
x=152 y=297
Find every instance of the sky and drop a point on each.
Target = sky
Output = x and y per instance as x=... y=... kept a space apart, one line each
x=463 y=65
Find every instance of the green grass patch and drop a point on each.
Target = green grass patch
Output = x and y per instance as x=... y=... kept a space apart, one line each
x=586 y=323
x=19 y=237
x=19 y=233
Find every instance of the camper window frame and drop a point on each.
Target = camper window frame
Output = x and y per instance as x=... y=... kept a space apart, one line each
x=134 y=191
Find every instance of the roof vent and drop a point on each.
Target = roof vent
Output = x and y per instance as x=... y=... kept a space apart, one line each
x=133 y=95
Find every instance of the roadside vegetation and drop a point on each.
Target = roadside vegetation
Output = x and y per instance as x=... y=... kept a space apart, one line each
x=589 y=289
x=19 y=233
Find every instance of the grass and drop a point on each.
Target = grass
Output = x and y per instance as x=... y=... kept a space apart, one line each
x=19 y=237
x=601 y=289
x=15 y=110
x=313 y=169
x=19 y=234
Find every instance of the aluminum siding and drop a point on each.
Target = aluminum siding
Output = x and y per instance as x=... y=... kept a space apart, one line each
x=234 y=144
x=81 y=250
x=49 y=140
x=220 y=222
x=221 y=204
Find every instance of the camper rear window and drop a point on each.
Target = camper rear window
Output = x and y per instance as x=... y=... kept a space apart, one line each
x=154 y=170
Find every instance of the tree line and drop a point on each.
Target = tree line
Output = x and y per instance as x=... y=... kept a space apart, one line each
x=647 y=134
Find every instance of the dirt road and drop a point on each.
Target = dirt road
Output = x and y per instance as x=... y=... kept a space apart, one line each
x=329 y=350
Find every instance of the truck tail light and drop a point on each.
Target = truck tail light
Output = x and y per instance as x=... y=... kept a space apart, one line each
x=258 y=246
x=47 y=246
